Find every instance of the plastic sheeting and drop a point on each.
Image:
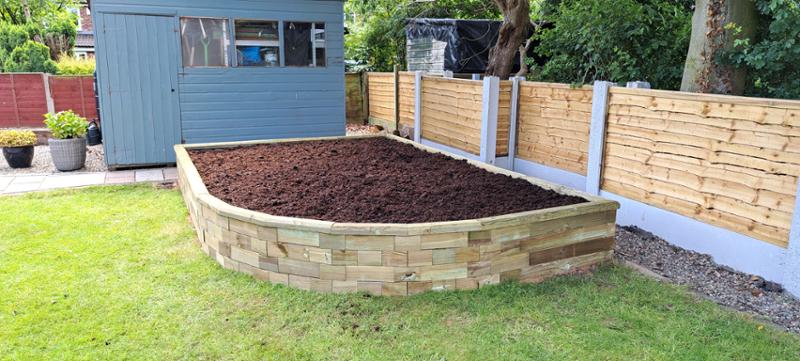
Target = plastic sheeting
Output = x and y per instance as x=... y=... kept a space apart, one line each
x=467 y=44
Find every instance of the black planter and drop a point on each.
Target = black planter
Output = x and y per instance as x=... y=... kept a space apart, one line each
x=19 y=157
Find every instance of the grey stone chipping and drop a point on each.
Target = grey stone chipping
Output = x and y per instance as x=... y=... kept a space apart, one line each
x=723 y=285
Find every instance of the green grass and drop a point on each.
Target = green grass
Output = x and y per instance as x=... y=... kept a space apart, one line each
x=114 y=273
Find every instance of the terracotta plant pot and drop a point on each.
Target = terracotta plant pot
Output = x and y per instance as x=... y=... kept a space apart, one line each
x=19 y=157
x=68 y=154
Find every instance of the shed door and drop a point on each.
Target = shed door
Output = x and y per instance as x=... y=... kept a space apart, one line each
x=138 y=64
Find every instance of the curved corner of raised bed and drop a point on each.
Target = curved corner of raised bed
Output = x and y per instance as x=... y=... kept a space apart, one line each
x=398 y=259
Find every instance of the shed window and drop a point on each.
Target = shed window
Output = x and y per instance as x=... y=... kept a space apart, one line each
x=204 y=42
x=257 y=43
x=304 y=43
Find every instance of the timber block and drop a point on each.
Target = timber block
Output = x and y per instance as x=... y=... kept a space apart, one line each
x=398 y=259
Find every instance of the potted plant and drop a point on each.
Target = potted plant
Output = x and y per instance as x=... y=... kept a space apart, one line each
x=18 y=147
x=68 y=144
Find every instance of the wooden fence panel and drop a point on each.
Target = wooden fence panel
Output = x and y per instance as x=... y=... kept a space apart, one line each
x=406 y=100
x=354 y=100
x=503 y=118
x=451 y=112
x=728 y=161
x=22 y=100
x=74 y=93
x=381 y=96
x=553 y=125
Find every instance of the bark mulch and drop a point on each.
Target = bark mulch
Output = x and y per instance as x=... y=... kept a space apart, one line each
x=374 y=180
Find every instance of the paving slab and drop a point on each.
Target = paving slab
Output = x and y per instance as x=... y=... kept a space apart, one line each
x=121 y=177
x=23 y=187
x=171 y=173
x=149 y=175
x=5 y=182
x=20 y=179
x=29 y=183
x=73 y=180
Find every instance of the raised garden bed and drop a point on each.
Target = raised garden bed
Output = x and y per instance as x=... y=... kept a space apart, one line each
x=384 y=215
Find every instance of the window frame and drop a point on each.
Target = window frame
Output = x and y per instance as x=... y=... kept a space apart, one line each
x=231 y=52
x=313 y=42
x=229 y=60
x=280 y=43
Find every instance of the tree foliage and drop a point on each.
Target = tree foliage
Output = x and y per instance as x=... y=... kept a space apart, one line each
x=376 y=28
x=46 y=22
x=621 y=40
x=30 y=57
x=14 y=11
x=772 y=57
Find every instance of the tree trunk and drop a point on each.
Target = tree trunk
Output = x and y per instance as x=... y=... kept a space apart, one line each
x=513 y=34
x=26 y=10
x=703 y=73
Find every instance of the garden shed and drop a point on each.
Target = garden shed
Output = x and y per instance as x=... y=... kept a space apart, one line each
x=197 y=71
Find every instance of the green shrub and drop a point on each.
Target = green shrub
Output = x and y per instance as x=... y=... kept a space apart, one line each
x=69 y=65
x=30 y=57
x=66 y=125
x=11 y=36
x=59 y=33
x=17 y=138
x=621 y=40
x=772 y=58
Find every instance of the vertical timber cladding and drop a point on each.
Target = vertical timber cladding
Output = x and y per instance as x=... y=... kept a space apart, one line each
x=728 y=161
x=381 y=98
x=553 y=125
x=451 y=112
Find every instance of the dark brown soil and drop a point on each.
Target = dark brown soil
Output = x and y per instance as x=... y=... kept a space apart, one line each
x=375 y=180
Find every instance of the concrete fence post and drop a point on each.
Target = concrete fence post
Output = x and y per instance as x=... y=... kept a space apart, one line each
x=48 y=94
x=512 y=129
x=597 y=135
x=791 y=264
x=491 y=99
x=418 y=106
x=448 y=74
x=476 y=77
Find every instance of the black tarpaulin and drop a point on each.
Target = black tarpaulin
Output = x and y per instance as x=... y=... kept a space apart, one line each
x=468 y=41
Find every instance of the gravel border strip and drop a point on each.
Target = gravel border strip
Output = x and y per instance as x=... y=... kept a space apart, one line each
x=739 y=291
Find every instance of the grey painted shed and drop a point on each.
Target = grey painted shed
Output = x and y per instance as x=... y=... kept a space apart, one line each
x=191 y=71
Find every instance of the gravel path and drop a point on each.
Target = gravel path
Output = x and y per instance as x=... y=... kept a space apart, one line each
x=718 y=283
x=355 y=129
x=43 y=163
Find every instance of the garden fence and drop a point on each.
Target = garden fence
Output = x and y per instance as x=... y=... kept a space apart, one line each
x=26 y=97
x=713 y=173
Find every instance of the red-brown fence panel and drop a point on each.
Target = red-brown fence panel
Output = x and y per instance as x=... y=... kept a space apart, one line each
x=22 y=100
x=74 y=93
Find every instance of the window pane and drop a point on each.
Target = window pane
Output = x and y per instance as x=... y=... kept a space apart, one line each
x=300 y=49
x=204 y=42
x=297 y=42
x=319 y=43
x=257 y=43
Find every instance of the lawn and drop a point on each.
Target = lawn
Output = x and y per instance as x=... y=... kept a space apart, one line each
x=114 y=273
